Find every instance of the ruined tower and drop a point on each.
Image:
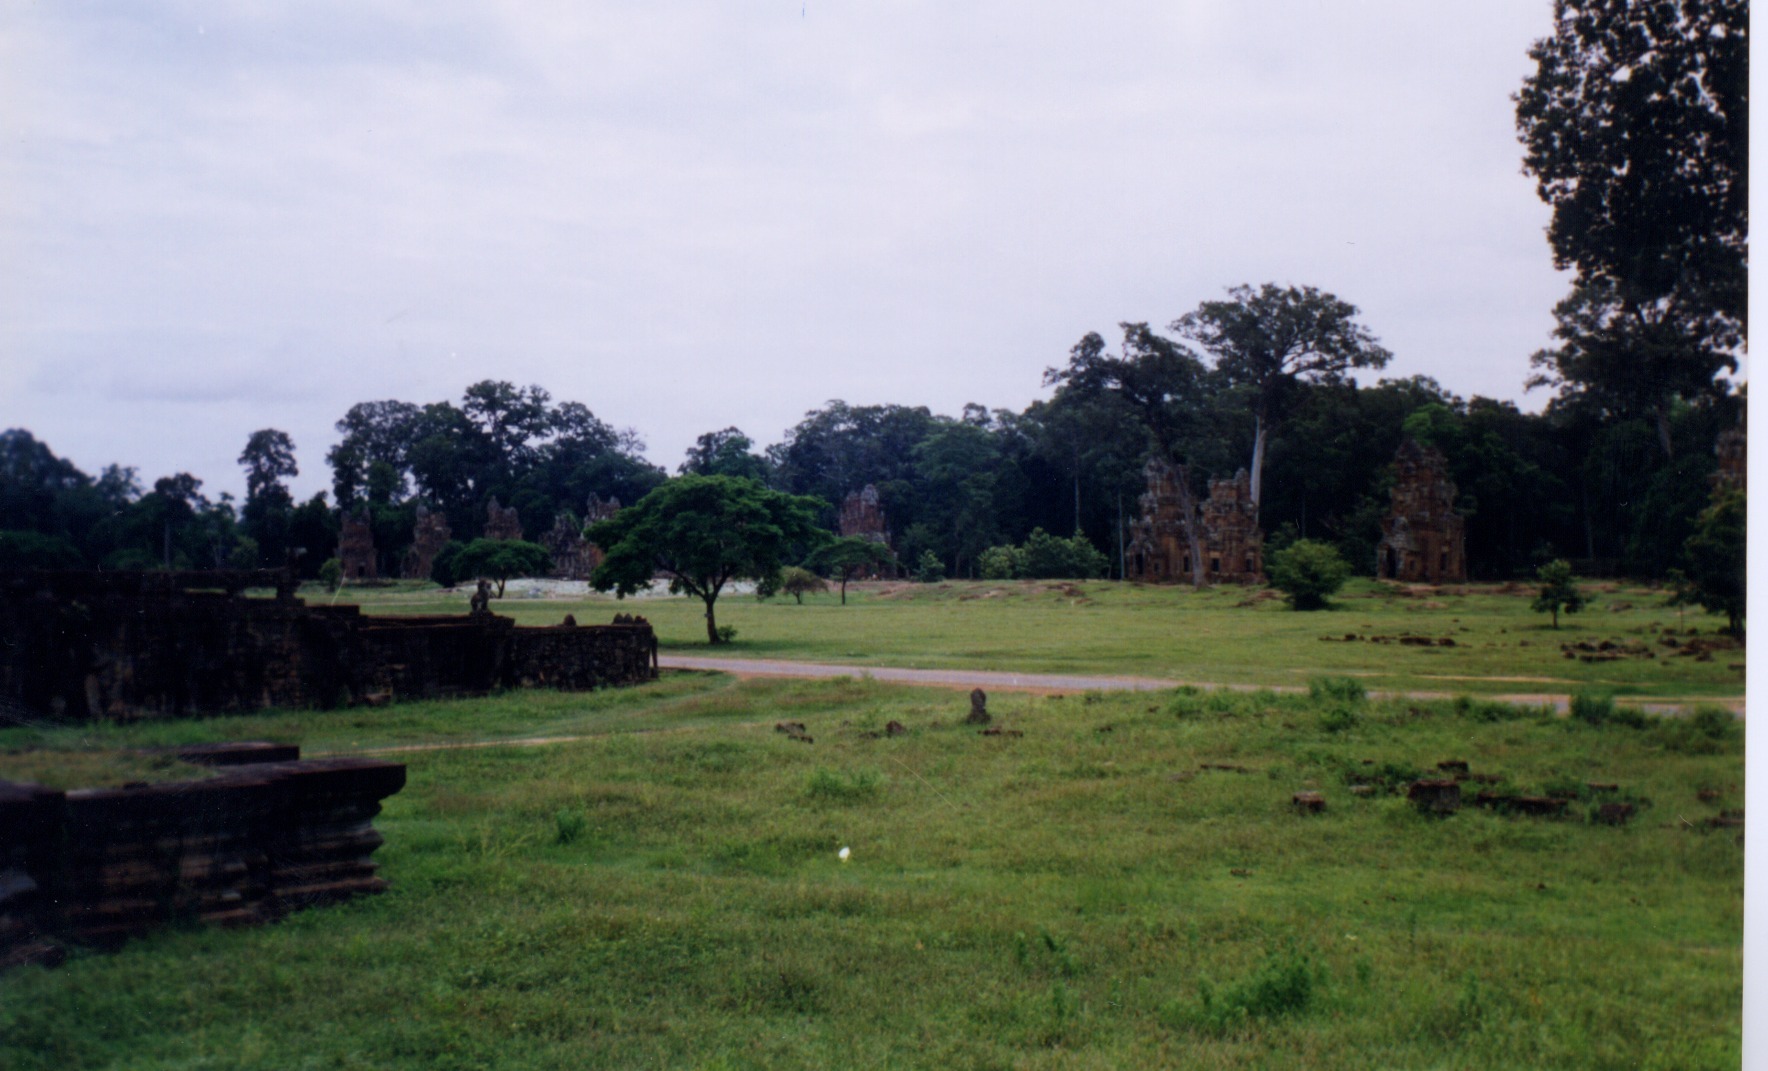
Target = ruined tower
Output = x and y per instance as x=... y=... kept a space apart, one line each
x=1159 y=548
x=430 y=535
x=356 y=546
x=1423 y=539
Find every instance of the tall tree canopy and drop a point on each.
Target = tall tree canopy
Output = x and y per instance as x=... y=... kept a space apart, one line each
x=1636 y=128
x=1266 y=341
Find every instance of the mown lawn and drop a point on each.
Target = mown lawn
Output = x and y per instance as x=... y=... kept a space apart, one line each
x=666 y=892
x=1226 y=635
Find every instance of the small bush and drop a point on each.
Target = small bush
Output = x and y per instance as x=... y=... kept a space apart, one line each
x=1337 y=689
x=998 y=563
x=1308 y=571
x=1593 y=709
x=1707 y=731
x=928 y=568
x=331 y=574
x=836 y=787
x=568 y=825
x=727 y=633
x=1284 y=985
x=1338 y=719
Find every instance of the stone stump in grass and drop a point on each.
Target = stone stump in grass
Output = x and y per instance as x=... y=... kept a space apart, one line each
x=978 y=708
x=1436 y=795
x=1308 y=802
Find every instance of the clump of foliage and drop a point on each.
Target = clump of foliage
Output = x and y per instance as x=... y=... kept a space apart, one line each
x=1337 y=689
x=929 y=569
x=836 y=787
x=849 y=557
x=703 y=532
x=331 y=574
x=443 y=570
x=798 y=582
x=1308 y=571
x=1284 y=985
x=1713 y=576
x=1559 y=591
x=1707 y=731
x=500 y=560
x=998 y=563
x=568 y=825
x=1044 y=557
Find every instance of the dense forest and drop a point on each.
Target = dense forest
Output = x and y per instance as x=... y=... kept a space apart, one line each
x=1634 y=125
x=1572 y=482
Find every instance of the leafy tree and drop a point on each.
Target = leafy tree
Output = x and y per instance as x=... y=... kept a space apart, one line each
x=1266 y=341
x=375 y=435
x=1715 y=561
x=34 y=550
x=1047 y=557
x=703 y=532
x=1559 y=591
x=725 y=453
x=999 y=563
x=1636 y=128
x=929 y=569
x=1162 y=382
x=501 y=559
x=331 y=574
x=798 y=582
x=1308 y=571
x=848 y=557
x=268 y=458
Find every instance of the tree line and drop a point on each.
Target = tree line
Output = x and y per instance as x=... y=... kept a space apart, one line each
x=1634 y=124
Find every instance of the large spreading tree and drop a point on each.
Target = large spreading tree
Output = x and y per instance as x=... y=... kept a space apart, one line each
x=702 y=533
x=1268 y=340
x=1636 y=128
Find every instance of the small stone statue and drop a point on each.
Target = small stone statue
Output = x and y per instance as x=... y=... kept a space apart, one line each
x=481 y=603
x=978 y=708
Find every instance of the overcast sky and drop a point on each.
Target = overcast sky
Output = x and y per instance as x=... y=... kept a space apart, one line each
x=218 y=217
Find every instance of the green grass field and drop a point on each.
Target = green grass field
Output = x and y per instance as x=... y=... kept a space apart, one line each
x=1227 y=635
x=664 y=890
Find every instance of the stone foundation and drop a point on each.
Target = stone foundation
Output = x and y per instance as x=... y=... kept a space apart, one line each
x=251 y=844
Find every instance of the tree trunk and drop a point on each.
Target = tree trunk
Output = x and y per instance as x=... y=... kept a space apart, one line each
x=1663 y=430
x=1258 y=460
x=711 y=622
x=844 y=575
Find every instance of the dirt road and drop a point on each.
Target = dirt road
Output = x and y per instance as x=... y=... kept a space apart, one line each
x=991 y=680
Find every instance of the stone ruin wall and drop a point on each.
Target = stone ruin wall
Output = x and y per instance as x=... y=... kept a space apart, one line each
x=1423 y=539
x=268 y=834
x=85 y=646
x=597 y=509
x=1159 y=548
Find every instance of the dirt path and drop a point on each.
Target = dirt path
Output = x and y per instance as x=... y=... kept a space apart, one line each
x=991 y=680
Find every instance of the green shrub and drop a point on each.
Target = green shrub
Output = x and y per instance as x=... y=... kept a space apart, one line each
x=1046 y=557
x=1707 y=731
x=1308 y=571
x=1338 y=718
x=998 y=563
x=1284 y=985
x=1337 y=689
x=836 y=787
x=1559 y=591
x=928 y=568
x=727 y=633
x=331 y=574
x=1593 y=709
x=568 y=825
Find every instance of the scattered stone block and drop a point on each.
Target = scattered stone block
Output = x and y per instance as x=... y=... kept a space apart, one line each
x=895 y=728
x=1615 y=813
x=1435 y=795
x=1308 y=802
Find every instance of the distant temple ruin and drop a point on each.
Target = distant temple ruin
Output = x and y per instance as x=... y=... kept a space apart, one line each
x=1229 y=537
x=597 y=509
x=80 y=646
x=430 y=535
x=356 y=546
x=862 y=516
x=1423 y=539
x=501 y=523
x=569 y=550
